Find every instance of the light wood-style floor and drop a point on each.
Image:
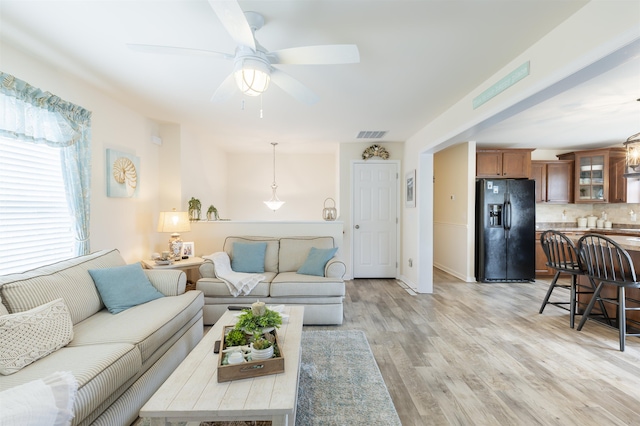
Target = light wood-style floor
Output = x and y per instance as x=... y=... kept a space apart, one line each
x=480 y=354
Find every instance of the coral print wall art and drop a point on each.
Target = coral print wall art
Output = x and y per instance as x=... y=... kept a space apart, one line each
x=123 y=171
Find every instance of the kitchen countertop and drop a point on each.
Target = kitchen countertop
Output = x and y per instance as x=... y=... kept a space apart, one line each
x=629 y=240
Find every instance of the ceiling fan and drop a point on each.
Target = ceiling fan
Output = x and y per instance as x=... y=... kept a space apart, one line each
x=254 y=65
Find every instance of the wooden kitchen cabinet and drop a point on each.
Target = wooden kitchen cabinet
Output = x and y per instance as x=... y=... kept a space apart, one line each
x=503 y=163
x=617 y=182
x=554 y=181
x=594 y=180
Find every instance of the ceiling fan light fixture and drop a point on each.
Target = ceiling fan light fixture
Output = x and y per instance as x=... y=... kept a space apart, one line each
x=252 y=76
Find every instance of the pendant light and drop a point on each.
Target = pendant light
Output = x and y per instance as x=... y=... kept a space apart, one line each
x=274 y=203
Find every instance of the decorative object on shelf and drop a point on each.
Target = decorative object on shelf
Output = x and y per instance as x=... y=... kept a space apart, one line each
x=188 y=249
x=375 y=151
x=632 y=160
x=122 y=174
x=212 y=213
x=410 y=189
x=274 y=203
x=195 y=207
x=174 y=222
x=329 y=213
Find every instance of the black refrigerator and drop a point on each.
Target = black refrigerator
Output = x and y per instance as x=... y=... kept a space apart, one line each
x=505 y=230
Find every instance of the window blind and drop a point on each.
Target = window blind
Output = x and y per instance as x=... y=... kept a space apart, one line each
x=35 y=224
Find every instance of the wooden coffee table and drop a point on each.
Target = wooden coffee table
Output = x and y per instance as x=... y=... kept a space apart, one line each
x=192 y=393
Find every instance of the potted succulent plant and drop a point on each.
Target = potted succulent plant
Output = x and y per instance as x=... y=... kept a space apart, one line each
x=235 y=337
x=261 y=347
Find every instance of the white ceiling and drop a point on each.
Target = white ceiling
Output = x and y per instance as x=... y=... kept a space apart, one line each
x=417 y=59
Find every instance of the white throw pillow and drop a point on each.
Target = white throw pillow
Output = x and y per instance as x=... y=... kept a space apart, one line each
x=30 y=335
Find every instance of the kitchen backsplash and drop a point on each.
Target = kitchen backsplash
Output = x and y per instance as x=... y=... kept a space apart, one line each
x=569 y=213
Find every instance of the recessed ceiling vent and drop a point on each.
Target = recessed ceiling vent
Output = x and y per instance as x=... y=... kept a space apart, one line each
x=371 y=134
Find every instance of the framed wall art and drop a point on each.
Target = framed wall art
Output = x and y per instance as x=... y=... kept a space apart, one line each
x=410 y=189
x=123 y=174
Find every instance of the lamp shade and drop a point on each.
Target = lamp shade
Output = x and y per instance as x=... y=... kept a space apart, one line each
x=174 y=222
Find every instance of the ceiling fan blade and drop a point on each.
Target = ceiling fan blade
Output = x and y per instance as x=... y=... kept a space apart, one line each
x=293 y=87
x=150 y=48
x=234 y=21
x=226 y=90
x=317 y=55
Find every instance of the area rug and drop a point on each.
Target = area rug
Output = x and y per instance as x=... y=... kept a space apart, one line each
x=340 y=384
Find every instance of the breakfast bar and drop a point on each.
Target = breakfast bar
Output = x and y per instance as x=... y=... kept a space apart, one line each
x=631 y=243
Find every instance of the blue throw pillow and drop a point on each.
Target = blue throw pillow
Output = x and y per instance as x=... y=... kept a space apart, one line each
x=123 y=287
x=248 y=257
x=316 y=261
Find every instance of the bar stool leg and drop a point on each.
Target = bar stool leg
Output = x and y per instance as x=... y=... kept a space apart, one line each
x=622 y=317
x=572 y=306
x=551 y=287
x=585 y=314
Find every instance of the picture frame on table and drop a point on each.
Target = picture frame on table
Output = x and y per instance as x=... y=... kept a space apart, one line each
x=410 y=189
x=188 y=249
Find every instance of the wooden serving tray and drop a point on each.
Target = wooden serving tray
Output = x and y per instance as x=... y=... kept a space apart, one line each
x=227 y=373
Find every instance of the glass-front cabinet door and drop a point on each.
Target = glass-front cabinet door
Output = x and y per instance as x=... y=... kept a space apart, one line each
x=591 y=185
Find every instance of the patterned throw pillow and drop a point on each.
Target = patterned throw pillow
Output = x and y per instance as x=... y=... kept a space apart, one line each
x=30 y=335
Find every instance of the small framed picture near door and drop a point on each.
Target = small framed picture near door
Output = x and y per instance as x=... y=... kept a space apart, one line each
x=410 y=189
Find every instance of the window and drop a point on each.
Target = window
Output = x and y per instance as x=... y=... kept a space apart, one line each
x=35 y=223
x=45 y=176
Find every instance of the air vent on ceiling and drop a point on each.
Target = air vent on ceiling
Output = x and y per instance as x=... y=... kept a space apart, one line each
x=371 y=134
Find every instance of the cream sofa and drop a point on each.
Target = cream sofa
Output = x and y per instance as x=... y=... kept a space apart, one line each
x=321 y=296
x=119 y=360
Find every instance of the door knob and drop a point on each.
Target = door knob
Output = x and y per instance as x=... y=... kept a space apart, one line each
x=357 y=226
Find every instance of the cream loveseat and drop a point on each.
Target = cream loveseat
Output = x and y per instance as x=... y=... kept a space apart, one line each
x=322 y=296
x=118 y=360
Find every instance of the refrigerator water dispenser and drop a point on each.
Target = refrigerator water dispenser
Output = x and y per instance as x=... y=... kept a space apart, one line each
x=495 y=215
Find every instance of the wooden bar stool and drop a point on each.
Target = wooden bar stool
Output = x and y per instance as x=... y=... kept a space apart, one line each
x=563 y=257
x=608 y=264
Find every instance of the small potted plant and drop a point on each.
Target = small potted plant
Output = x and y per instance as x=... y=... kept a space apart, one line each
x=235 y=337
x=261 y=347
x=212 y=213
x=195 y=208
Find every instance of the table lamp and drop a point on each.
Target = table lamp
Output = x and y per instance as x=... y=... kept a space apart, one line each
x=174 y=222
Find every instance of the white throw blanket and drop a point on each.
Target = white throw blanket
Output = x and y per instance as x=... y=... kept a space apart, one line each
x=239 y=283
x=43 y=402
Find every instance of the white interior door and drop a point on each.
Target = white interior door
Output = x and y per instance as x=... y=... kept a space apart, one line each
x=375 y=220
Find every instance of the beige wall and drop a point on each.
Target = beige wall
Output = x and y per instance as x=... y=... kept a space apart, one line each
x=595 y=31
x=304 y=182
x=453 y=210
